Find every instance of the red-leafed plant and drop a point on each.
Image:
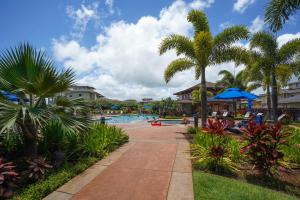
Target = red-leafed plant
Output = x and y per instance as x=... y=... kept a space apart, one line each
x=214 y=154
x=7 y=178
x=263 y=143
x=37 y=168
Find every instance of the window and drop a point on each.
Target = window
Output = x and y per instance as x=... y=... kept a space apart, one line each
x=79 y=94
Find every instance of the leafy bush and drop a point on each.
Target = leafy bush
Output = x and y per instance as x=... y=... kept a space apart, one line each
x=214 y=150
x=192 y=130
x=7 y=178
x=11 y=141
x=291 y=150
x=37 y=168
x=56 y=179
x=262 y=148
x=100 y=140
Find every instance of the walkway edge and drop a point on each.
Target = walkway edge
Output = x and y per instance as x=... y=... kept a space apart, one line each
x=67 y=190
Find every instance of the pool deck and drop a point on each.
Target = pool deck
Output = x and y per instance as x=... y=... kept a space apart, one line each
x=153 y=165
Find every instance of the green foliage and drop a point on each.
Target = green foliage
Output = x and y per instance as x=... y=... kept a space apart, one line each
x=56 y=179
x=215 y=151
x=11 y=141
x=100 y=140
x=209 y=186
x=192 y=130
x=291 y=150
x=279 y=11
x=230 y=80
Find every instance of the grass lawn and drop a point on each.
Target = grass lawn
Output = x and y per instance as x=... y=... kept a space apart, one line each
x=213 y=187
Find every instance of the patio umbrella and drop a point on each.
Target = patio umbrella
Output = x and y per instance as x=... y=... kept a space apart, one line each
x=236 y=93
x=115 y=107
x=11 y=97
x=147 y=107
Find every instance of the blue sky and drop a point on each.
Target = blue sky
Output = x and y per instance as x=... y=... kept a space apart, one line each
x=112 y=44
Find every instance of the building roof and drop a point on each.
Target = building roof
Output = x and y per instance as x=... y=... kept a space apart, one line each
x=195 y=87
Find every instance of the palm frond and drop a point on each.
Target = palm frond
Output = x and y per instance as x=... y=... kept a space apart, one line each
x=289 y=50
x=203 y=47
x=235 y=54
x=199 y=21
x=265 y=42
x=279 y=11
x=177 y=65
x=230 y=35
x=182 y=45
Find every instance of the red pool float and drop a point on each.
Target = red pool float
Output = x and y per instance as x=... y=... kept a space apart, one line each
x=156 y=123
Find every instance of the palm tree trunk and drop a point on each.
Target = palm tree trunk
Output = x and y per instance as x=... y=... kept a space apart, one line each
x=30 y=139
x=274 y=97
x=203 y=98
x=269 y=102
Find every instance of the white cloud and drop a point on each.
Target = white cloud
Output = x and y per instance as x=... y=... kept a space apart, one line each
x=225 y=25
x=282 y=39
x=257 y=25
x=200 y=4
x=81 y=17
x=241 y=5
x=124 y=63
x=110 y=4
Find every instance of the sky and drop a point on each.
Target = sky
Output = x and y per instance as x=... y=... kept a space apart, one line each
x=112 y=45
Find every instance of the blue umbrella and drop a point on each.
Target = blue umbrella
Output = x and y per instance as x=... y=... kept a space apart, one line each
x=11 y=97
x=147 y=107
x=236 y=93
x=115 y=107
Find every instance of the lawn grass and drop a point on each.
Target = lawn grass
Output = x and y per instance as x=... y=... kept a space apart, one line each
x=213 y=187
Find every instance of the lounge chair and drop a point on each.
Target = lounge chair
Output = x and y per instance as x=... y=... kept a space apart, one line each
x=225 y=114
x=247 y=115
x=214 y=114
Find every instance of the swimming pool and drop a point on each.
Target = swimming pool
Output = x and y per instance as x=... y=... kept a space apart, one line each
x=125 y=119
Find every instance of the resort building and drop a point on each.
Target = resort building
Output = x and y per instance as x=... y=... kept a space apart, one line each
x=184 y=98
x=88 y=93
x=287 y=98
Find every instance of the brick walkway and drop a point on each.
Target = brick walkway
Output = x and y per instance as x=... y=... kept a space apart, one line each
x=152 y=166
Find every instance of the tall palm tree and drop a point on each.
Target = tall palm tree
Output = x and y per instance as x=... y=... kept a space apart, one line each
x=203 y=50
x=230 y=80
x=274 y=58
x=32 y=76
x=279 y=11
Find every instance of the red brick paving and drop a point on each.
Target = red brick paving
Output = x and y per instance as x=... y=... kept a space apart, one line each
x=143 y=172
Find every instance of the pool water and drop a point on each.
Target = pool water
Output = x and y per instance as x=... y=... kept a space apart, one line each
x=125 y=119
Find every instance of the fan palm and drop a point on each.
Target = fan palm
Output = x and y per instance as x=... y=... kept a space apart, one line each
x=279 y=11
x=203 y=50
x=274 y=61
x=30 y=75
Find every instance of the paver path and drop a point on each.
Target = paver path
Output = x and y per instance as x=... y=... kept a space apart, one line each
x=154 y=165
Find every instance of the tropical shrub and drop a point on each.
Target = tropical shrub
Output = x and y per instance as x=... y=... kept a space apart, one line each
x=292 y=149
x=38 y=168
x=100 y=140
x=263 y=147
x=192 y=130
x=8 y=177
x=213 y=150
x=32 y=77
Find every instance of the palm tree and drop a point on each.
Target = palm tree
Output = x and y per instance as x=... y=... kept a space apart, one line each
x=230 y=80
x=32 y=76
x=196 y=95
x=203 y=50
x=274 y=59
x=279 y=11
